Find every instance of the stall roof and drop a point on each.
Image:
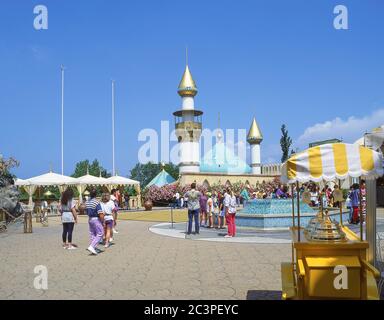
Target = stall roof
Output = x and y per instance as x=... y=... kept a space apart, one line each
x=122 y=181
x=50 y=179
x=332 y=161
x=91 y=180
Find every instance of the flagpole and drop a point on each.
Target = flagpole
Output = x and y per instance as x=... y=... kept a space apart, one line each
x=113 y=127
x=62 y=119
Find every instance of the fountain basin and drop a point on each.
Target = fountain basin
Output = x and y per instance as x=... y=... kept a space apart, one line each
x=277 y=214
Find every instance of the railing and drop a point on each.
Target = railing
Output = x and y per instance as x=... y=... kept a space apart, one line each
x=271 y=169
x=188 y=125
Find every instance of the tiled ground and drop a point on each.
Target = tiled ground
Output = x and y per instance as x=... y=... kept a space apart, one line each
x=141 y=265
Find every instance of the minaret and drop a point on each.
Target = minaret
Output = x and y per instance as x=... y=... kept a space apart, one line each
x=188 y=125
x=254 y=138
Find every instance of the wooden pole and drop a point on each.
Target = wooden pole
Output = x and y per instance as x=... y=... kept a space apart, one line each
x=298 y=210
x=293 y=224
x=293 y=207
x=341 y=206
x=370 y=224
x=28 y=222
x=361 y=211
x=321 y=203
x=341 y=213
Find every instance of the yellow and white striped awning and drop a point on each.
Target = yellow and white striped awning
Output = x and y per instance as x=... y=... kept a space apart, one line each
x=332 y=161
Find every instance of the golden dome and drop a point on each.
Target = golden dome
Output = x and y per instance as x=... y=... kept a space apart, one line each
x=187 y=86
x=254 y=133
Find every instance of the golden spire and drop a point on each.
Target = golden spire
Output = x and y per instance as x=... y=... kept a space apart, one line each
x=187 y=86
x=254 y=133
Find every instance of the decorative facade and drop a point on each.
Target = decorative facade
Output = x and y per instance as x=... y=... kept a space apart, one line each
x=219 y=165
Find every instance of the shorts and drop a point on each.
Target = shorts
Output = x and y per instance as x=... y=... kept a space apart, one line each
x=221 y=213
x=109 y=223
x=203 y=210
x=209 y=213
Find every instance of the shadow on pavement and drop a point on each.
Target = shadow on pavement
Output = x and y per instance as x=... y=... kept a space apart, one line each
x=263 y=295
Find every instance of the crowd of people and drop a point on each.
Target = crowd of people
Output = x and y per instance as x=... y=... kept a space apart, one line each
x=326 y=197
x=218 y=208
x=102 y=219
x=264 y=190
x=215 y=209
x=211 y=210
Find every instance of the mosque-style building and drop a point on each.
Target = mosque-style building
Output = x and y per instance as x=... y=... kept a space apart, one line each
x=219 y=165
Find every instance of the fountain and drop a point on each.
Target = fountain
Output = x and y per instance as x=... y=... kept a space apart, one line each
x=277 y=214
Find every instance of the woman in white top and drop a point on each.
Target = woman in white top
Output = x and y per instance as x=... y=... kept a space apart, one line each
x=108 y=207
x=230 y=212
x=68 y=218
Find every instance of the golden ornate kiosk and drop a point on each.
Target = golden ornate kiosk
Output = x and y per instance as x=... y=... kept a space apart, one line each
x=329 y=261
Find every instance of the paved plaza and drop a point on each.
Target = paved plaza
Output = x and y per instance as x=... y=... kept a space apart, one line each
x=149 y=260
x=140 y=265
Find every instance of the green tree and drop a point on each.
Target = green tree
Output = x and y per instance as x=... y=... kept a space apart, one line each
x=6 y=177
x=146 y=172
x=285 y=143
x=93 y=168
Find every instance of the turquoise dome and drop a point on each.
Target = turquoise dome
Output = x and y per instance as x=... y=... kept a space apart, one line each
x=221 y=159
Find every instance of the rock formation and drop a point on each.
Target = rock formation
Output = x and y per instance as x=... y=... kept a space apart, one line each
x=9 y=195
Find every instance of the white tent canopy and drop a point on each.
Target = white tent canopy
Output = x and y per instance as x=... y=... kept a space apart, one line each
x=21 y=182
x=51 y=179
x=90 y=180
x=81 y=183
x=47 y=179
x=25 y=184
x=122 y=181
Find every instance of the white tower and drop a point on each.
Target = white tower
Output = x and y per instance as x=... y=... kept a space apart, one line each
x=254 y=138
x=188 y=125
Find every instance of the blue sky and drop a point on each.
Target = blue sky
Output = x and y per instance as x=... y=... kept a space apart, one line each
x=281 y=61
